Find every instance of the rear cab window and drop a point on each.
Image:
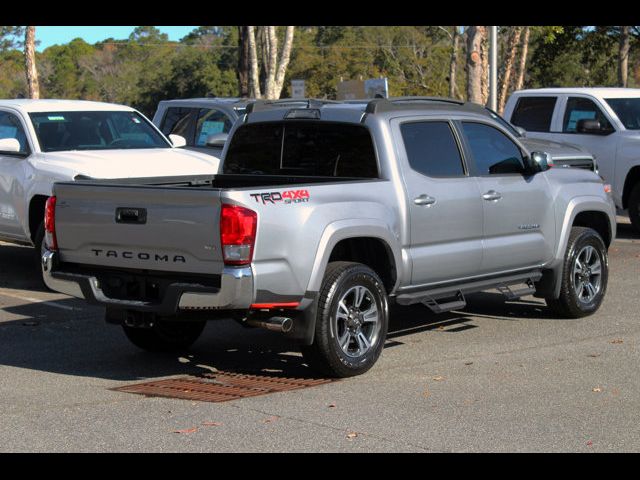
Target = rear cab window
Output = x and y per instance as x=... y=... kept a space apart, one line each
x=534 y=113
x=302 y=148
x=432 y=149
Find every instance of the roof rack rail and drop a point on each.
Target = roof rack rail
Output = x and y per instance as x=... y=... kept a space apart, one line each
x=387 y=104
x=260 y=105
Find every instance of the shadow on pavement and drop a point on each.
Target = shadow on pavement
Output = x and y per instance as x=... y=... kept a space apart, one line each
x=72 y=338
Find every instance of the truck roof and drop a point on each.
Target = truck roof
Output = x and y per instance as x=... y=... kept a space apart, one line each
x=599 y=92
x=353 y=110
x=27 y=105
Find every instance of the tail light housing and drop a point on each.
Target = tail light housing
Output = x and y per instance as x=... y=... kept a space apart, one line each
x=50 y=224
x=237 y=234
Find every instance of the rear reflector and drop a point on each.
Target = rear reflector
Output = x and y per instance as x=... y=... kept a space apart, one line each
x=50 y=224
x=237 y=234
x=270 y=306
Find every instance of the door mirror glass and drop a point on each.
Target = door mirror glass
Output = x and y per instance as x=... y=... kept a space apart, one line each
x=217 y=140
x=177 y=140
x=540 y=162
x=9 y=145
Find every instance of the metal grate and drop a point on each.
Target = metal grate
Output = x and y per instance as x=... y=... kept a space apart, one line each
x=220 y=386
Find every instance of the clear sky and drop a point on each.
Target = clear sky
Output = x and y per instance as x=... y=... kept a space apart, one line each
x=59 y=35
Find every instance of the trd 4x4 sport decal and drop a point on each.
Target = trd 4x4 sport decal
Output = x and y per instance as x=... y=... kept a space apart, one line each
x=287 y=196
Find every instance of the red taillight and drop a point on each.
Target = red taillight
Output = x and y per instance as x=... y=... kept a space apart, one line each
x=50 y=224
x=237 y=234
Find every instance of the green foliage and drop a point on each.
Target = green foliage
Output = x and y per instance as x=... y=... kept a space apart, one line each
x=146 y=67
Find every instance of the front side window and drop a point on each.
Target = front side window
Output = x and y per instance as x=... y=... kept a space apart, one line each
x=10 y=127
x=534 y=113
x=579 y=108
x=211 y=122
x=494 y=153
x=101 y=130
x=177 y=121
x=627 y=110
x=302 y=148
x=432 y=149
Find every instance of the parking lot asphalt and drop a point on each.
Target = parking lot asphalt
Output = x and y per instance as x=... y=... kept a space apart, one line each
x=496 y=376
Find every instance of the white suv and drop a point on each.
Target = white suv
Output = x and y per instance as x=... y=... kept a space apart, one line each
x=45 y=141
x=605 y=121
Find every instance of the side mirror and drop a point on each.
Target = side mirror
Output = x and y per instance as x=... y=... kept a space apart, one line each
x=540 y=162
x=177 y=141
x=585 y=125
x=217 y=140
x=9 y=145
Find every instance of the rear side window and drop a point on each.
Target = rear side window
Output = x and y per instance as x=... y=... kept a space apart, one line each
x=432 y=149
x=304 y=148
x=534 y=113
x=178 y=121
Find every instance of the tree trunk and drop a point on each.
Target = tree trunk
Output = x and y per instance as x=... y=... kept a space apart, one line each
x=244 y=64
x=509 y=67
x=623 y=58
x=254 y=73
x=285 y=56
x=30 y=62
x=474 y=63
x=484 y=53
x=454 y=62
x=522 y=68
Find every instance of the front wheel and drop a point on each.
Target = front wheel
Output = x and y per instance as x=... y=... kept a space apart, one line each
x=584 y=275
x=165 y=336
x=352 y=321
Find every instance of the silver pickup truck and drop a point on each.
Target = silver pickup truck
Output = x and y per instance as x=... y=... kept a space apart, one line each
x=325 y=213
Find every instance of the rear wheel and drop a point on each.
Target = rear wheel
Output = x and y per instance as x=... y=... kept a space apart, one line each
x=584 y=276
x=352 y=321
x=634 y=208
x=165 y=336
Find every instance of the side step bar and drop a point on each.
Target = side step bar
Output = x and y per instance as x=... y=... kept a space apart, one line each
x=452 y=296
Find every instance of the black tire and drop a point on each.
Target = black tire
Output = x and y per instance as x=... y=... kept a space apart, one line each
x=39 y=250
x=634 y=208
x=165 y=336
x=568 y=305
x=326 y=355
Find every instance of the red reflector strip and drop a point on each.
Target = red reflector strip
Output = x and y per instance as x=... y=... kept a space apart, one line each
x=261 y=306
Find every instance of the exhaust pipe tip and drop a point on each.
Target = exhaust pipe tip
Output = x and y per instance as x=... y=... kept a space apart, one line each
x=276 y=324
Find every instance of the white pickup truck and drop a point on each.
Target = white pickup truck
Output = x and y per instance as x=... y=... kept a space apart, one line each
x=605 y=121
x=45 y=141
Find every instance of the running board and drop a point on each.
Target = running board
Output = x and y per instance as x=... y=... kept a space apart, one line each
x=431 y=295
x=457 y=303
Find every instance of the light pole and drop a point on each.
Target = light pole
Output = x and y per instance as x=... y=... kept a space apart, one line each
x=493 y=68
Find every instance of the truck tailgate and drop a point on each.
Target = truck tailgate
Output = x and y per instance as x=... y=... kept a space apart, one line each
x=139 y=227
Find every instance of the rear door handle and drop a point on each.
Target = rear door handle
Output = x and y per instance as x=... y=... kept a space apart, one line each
x=492 y=195
x=424 y=199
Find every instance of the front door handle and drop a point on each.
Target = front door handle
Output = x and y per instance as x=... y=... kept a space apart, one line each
x=492 y=195
x=424 y=200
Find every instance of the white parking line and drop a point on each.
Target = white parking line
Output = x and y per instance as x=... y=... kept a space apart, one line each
x=35 y=300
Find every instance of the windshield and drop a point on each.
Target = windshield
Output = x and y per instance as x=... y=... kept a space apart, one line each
x=627 y=110
x=64 y=131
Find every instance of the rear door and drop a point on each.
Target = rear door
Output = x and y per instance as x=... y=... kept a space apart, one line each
x=139 y=227
x=519 y=222
x=444 y=205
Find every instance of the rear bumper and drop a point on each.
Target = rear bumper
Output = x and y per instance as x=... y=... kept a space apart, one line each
x=235 y=291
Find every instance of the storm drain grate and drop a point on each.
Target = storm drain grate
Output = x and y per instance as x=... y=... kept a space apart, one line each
x=220 y=386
